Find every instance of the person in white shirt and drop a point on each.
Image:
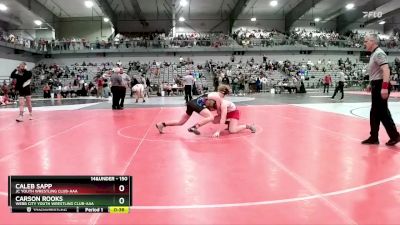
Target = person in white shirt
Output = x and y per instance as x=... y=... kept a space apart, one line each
x=340 y=84
x=188 y=82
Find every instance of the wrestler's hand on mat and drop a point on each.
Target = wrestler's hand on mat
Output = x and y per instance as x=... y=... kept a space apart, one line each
x=216 y=134
x=217 y=119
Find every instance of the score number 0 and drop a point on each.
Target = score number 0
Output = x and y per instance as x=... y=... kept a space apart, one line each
x=121 y=188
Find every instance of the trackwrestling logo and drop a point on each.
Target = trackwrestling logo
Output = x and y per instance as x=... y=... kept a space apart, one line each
x=372 y=14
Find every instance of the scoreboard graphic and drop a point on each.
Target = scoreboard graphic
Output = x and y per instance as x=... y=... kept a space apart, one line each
x=71 y=194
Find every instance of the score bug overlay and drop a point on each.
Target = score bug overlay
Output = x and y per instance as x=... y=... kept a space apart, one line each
x=72 y=194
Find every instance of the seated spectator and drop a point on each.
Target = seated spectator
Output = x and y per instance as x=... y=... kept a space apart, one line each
x=65 y=91
x=167 y=88
x=4 y=100
x=46 y=91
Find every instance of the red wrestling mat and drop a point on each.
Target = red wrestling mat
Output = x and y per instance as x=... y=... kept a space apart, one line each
x=301 y=167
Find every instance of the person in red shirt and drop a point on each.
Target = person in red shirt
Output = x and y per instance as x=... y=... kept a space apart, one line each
x=327 y=82
x=100 y=83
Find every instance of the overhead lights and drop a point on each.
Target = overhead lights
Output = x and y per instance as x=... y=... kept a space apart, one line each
x=89 y=4
x=38 y=22
x=382 y=22
x=349 y=6
x=273 y=3
x=253 y=19
x=106 y=20
x=3 y=7
x=183 y=3
x=317 y=19
x=181 y=19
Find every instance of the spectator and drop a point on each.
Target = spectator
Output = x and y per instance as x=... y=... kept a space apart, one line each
x=327 y=82
x=46 y=91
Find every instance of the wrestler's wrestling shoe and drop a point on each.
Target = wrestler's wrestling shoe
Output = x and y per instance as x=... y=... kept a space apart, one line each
x=194 y=130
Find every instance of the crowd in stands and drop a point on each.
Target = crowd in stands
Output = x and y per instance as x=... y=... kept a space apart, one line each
x=252 y=76
x=93 y=79
x=39 y=44
x=74 y=80
x=123 y=40
x=243 y=37
x=315 y=38
x=246 y=37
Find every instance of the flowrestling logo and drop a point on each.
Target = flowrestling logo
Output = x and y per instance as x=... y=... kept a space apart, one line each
x=372 y=14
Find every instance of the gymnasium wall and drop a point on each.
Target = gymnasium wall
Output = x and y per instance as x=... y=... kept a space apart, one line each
x=85 y=27
x=9 y=61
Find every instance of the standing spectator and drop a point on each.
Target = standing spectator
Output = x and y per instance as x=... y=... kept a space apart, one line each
x=148 y=88
x=216 y=82
x=265 y=58
x=106 y=88
x=100 y=84
x=188 y=82
x=225 y=80
x=379 y=76
x=258 y=85
x=327 y=82
x=23 y=77
x=241 y=83
x=235 y=85
x=340 y=85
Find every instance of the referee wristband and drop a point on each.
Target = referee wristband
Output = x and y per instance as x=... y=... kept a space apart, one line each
x=385 y=85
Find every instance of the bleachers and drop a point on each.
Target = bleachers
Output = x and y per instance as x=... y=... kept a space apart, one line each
x=315 y=76
x=170 y=73
x=167 y=74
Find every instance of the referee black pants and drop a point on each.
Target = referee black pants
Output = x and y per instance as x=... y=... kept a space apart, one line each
x=339 y=87
x=380 y=113
x=115 y=96
x=122 y=94
x=188 y=93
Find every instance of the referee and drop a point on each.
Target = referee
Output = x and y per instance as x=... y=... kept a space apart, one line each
x=379 y=85
x=188 y=81
x=340 y=84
